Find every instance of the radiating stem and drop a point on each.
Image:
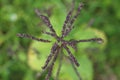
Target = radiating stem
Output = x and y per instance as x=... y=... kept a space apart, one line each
x=32 y=37
x=99 y=40
x=71 y=56
x=53 y=50
x=46 y=21
x=52 y=63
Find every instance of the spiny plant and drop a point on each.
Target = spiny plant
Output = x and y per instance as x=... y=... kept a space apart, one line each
x=60 y=43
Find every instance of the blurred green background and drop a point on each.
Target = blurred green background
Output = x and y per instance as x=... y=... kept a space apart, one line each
x=21 y=59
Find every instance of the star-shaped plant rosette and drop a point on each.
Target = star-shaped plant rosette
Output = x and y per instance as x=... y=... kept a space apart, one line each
x=60 y=43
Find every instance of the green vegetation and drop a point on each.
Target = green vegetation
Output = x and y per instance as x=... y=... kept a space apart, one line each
x=22 y=59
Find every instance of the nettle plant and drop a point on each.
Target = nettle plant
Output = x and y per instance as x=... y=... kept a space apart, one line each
x=60 y=43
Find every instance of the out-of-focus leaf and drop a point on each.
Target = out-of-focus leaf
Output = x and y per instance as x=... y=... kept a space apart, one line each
x=37 y=54
x=101 y=34
x=29 y=75
x=22 y=56
x=1 y=38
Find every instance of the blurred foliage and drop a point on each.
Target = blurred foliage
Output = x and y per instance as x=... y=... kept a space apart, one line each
x=21 y=59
